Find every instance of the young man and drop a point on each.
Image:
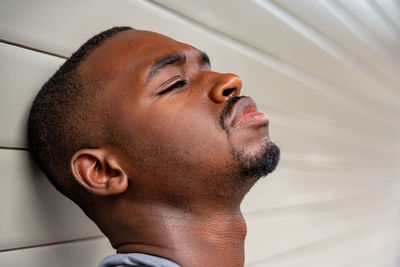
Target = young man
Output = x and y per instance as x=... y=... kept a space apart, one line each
x=155 y=147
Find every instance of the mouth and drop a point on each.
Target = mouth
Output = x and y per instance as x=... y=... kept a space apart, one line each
x=244 y=113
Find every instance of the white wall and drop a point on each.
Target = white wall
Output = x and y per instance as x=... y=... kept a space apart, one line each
x=326 y=72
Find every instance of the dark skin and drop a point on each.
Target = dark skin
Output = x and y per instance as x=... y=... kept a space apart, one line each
x=166 y=182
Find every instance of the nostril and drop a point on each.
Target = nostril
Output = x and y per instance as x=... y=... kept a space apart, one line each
x=228 y=91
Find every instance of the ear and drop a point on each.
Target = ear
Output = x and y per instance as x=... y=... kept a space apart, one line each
x=99 y=172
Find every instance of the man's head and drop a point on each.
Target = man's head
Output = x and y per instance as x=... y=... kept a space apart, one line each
x=141 y=117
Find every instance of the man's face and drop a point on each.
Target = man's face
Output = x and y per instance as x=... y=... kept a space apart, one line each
x=180 y=124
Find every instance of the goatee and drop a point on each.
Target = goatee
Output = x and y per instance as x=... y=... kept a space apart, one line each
x=260 y=164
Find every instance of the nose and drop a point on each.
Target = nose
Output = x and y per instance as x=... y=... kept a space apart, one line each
x=227 y=85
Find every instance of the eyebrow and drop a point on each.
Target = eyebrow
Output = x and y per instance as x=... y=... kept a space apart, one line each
x=205 y=60
x=174 y=59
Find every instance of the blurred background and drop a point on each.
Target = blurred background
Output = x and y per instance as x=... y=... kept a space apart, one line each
x=327 y=74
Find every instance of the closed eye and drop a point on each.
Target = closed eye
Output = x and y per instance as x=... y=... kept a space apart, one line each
x=174 y=86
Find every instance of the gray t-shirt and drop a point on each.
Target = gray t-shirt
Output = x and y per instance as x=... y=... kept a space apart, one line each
x=135 y=259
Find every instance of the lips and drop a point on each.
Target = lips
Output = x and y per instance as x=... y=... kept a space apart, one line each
x=245 y=113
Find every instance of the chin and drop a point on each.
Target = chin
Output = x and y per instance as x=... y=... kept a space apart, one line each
x=259 y=163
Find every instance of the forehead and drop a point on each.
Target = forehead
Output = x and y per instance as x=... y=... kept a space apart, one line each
x=134 y=47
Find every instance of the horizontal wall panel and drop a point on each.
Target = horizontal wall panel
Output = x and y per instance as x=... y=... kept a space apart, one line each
x=265 y=77
x=365 y=12
x=319 y=70
x=35 y=68
x=60 y=219
x=325 y=20
x=392 y=11
x=327 y=137
x=306 y=236
x=304 y=95
x=363 y=31
x=32 y=211
x=276 y=32
x=331 y=141
x=384 y=254
x=292 y=187
x=341 y=250
x=23 y=73
x=87 y=253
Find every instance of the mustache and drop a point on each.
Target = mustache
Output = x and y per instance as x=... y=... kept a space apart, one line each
x=229 y=105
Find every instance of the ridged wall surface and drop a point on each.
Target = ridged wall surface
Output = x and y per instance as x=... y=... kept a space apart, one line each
x=326 y=73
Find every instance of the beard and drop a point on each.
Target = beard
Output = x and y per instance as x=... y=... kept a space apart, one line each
x=259 y=164
x=254 y=165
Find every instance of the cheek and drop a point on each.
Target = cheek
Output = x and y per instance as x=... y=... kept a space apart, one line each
x=177 y=136
x=199 y=135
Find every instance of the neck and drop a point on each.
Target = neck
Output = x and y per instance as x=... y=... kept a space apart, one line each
x=209 y=238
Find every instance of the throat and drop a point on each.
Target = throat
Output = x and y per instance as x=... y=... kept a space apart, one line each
x=191 y=240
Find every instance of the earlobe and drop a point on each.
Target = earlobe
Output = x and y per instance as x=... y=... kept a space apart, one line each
x=99 y=172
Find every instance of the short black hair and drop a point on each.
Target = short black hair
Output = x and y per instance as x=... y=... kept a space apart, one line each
x=63 y=121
